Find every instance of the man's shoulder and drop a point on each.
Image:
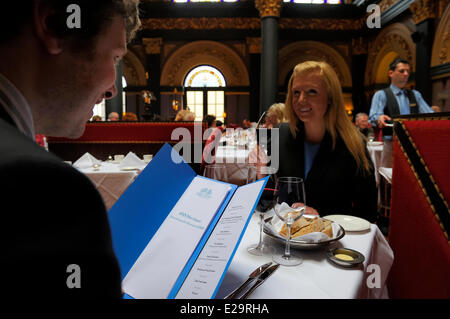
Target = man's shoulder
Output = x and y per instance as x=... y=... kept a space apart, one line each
x=14 y=144
x=416 y=93
x=20 y=154
x=381 y=92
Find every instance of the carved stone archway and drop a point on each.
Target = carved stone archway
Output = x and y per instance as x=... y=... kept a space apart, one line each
x=295 y=53
x=133 y=70
x=196 y=53
x=441 y=46
x=394 y=41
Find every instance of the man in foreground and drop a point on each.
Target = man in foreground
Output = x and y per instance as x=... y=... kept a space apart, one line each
x=56 y=240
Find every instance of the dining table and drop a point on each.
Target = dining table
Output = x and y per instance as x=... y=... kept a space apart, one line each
x=110 y=180
x=376 y=151
x=235 y=160
x=317 y=277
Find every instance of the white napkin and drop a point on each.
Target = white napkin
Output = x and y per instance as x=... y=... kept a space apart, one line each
x=132 y=160
x=86 y=161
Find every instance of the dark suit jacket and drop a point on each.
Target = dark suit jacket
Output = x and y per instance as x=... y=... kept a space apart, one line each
x=52 y=217
x=333 y=185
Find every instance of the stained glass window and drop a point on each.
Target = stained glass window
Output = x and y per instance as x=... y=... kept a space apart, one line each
x=209 y=100
x=204 y=76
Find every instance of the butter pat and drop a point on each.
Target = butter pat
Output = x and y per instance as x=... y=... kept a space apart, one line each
x=344 y=257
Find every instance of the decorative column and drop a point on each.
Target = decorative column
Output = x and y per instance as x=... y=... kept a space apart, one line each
x=359 y=61
x=269 y=10
x=116 y=103
x=254 y=50
x=423 y=14
x=153 y=51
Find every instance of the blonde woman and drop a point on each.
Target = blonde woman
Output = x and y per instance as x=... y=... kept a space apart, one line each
x=275 y=115
x=320 y=144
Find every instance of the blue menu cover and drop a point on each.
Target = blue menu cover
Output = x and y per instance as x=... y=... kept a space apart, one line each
x=145 y=206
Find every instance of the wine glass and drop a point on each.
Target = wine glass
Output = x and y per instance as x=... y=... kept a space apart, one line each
x=217 y=172
x=265 y=204
x=290 y=190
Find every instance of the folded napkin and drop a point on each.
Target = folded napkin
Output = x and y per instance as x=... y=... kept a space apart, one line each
x=86 y=161
x=132 y=160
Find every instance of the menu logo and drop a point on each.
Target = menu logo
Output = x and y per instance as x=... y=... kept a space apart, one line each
x=205 y=193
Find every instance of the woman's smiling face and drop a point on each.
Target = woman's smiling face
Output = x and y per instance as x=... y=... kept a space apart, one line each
x=309 y=97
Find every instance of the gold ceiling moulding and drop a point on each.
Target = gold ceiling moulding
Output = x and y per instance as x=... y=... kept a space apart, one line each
x=254 y=45
x=320 y=24
x=422 y=10
x=152 y=45
x=268 y=8
x=386 y=4
x=250 y=24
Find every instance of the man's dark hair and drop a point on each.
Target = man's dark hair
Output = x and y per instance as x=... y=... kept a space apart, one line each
x=394 y=63
x=209 y=119
x=95 y=16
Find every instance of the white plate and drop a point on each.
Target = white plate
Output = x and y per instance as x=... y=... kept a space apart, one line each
x=349 y=223
x=129 y=168
x=376 y=143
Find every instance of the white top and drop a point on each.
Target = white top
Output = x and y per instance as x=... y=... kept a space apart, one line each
x=16 y=106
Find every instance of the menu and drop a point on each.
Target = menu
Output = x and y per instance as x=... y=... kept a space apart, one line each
x=175 y=233
x=209 y=268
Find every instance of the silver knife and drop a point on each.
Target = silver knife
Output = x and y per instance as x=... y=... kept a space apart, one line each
x=266 y=274
x=255 y=274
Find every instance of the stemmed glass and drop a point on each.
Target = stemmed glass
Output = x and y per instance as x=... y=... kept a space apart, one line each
x=290 y=190
x=266 y=203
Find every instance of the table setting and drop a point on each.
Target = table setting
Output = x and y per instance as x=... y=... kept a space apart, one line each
x=320 y=275
x=309 y=256
x=113 y=176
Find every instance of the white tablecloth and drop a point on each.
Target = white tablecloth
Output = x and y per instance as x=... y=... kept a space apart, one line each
x=376 y=151
x=386 y=172
x=236 y=161
x=110 y=181
x=316 y=277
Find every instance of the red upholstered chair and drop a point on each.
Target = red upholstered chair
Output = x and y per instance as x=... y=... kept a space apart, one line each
x=420 y=219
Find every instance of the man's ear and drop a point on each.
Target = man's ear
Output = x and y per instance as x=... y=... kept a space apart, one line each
x=41 y=13
x=390 y=72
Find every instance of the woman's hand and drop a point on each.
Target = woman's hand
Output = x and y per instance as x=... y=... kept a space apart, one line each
x=308 y=210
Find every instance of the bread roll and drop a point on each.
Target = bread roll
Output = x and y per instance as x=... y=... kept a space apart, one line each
x=305 y=226
x=296 y=226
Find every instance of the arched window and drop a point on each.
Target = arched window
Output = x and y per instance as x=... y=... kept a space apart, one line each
x=203 y=92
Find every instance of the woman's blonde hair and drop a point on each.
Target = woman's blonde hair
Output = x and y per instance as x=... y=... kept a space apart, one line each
x=336 y=120
x=277 y=109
